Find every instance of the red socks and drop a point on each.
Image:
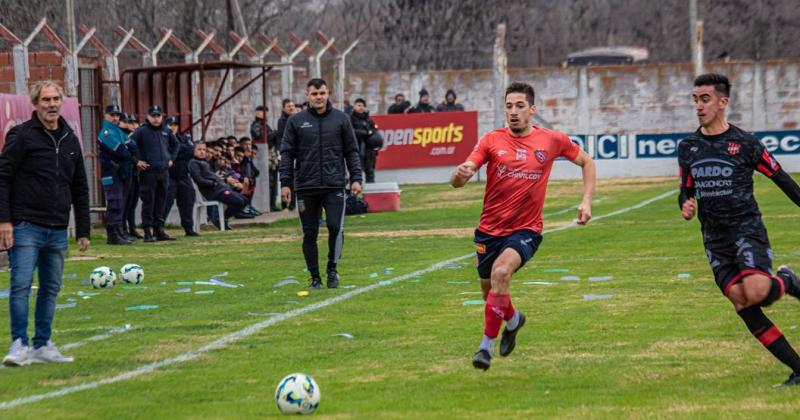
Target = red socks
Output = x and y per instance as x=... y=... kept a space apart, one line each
x=498 y=308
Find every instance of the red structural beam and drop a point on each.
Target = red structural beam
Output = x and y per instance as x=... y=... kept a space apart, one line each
x=218 y=50
x=176 y=42
x=246 y=48
x=95 y=42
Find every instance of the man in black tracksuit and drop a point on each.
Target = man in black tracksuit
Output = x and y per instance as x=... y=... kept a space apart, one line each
x=156 y=151
x=180 y=184
x=132 y=189
x=369 y=139
x=318 y=149
x=256 y=133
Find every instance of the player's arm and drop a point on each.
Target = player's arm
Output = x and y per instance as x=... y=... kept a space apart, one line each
x=767 y=165
x=686 y=201
x=589 y=182
x=463 y=173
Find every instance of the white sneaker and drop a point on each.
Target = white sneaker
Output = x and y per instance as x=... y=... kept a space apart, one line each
x=18 y=354
x=49 y=354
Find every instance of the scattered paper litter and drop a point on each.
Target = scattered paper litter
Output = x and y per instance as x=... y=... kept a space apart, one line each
x=373 y=275
x=71 y=299
x=71 y=276
x=388 y=270
x=457 y=282
x=472 y=302
x=285 y=282
x=218 y=282
x=556 y=270
x=542 y=283
x=206 y=283
x=345 y=335
x=597 y=297
x=204 y=292
x=349 y=286
x=303 y=293
x=453 y=265
x=183 y=290
x=134 y=287
x=601 y=278
x=66 y=305
x=86 y=282
x=86 y=294
x=384 y=282
x=684 y=275
x=570 y=278
x=141 y=307
x=470 y=293
x=223 y=274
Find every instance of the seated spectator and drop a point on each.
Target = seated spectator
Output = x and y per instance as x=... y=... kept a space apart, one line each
x=400 y=105
x=424 y=104
x=213 y=187
x=450 y=104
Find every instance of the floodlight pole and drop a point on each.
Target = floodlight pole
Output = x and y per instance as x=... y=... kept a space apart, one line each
x=341 y=73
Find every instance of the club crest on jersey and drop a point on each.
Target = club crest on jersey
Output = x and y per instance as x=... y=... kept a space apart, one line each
x=541 y=155
x=733 y=148
x=522 y=154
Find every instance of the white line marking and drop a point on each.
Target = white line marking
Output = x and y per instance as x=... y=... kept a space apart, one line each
x=254 y=328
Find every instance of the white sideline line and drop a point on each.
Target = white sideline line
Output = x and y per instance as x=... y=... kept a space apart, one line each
x=254 y=328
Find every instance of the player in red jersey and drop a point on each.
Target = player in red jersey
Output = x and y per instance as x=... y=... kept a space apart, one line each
x=519 y=159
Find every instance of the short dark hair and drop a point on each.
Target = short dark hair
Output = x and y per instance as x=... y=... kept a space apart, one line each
x=317 y=83
x=362 y=101
x=255 y=147
x=399 y=95
x=262 y=108
x=238 y=149
x=720 y=82
x=520 y=87
x=286 y=101
x=244 y=139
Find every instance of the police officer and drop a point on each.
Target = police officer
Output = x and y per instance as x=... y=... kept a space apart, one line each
x=156 y=149
x=114 y=156
x=132 y=194
x=180 y=183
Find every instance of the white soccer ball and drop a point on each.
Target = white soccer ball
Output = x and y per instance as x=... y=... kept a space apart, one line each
x=103 y=277
x=297 y=394
x=131 y=273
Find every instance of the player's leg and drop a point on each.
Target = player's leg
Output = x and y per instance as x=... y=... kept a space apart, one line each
x=757 y=289
x=487 y=249
x=498 y=305
x=309 y=206
x=334 y=204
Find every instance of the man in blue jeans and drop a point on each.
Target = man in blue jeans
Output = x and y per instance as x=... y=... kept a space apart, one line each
x=41 y=176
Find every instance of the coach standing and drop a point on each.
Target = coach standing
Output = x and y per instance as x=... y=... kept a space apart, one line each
x=318 y=149
x=157 y=148
x=41 y=176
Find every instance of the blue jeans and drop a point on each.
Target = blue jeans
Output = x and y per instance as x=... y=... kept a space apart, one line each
x=45 y=248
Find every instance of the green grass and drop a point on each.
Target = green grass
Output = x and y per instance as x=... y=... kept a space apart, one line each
x=663 y=346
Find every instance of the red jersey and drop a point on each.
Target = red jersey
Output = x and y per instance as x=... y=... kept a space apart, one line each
x=518 y=169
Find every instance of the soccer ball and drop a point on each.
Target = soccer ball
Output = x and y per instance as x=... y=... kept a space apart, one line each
x=103 y=277
x=131 y=273
x=297 y=394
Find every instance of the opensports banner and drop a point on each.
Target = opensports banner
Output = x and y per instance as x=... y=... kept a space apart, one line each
x=426 y=140
x=16 y=109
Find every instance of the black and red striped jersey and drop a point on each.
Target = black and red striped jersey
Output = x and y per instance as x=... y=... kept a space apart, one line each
x=718 y=172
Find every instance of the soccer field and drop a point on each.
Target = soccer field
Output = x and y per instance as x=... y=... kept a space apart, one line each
x=665 y=344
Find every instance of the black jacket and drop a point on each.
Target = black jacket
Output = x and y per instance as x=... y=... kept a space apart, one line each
x=255 y=132
x=209 y=184
x=180 y=166
x=421 y=108
x=449 y=107
x=42 y=175
x=155 y=145
x=316 y=148
x=363 y=125
x=281 y=128
x=399 y=108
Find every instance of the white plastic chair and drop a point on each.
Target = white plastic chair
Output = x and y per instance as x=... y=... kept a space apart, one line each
x=200 y=203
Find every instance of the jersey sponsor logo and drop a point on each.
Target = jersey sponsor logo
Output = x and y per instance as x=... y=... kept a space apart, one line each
x=522 y=154
x=708 y=168
x=733 y=148
x=541 y=155
x=711 y=176
x=505 y=172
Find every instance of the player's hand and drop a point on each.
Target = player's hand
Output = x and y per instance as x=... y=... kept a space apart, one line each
x=83 y=243
x=6 y=235
x=286 y=194
x=355 y=188
x=142 y=165
x=689 y=209
x=169 y=164
x=584 y=212
x=465 y=171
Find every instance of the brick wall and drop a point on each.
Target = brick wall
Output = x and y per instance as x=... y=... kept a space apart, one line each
x=43 y=65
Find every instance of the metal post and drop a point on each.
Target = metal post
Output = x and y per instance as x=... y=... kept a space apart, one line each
x=317 y=70
x=114 y=88
x=693 y=28
x=698 y=42
x=198 y=94
x=287 y=74
x=499 y=74
x=19 y=58
x=340 y=73
x=157 y=48
x=72 y=80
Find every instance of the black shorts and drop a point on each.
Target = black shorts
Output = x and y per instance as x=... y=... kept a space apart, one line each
x=731 y=261
x=489 y=247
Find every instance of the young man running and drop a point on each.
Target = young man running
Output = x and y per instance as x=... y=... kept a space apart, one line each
x=519 y=159
x=716 y=177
